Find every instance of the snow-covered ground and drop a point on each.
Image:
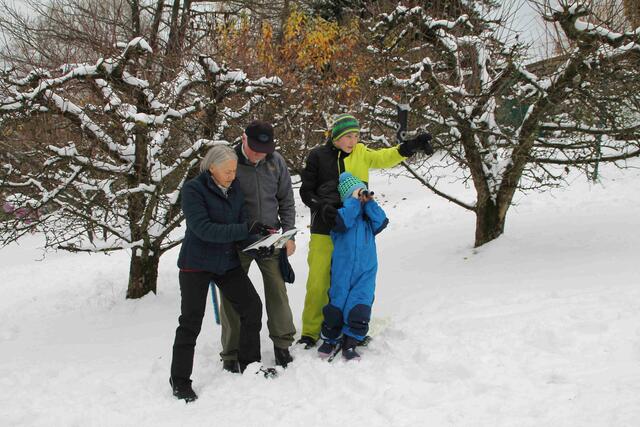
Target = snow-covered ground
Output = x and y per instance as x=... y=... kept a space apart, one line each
x=539 y=328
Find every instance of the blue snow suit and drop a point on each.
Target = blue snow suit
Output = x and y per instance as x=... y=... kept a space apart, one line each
x=353 y=270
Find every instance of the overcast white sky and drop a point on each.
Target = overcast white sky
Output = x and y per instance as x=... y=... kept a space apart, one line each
x=526 y=20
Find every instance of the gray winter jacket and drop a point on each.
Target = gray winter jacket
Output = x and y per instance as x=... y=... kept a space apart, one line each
x=268 y=194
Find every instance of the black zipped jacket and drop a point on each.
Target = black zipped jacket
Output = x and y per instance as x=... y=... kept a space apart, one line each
x=216 y=223
x=320 y=183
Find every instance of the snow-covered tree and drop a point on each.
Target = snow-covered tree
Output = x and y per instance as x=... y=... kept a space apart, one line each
x=507 y=123
x=97 y=151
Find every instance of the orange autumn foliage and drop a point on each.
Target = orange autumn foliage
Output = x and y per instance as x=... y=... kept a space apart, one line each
x=314 y=54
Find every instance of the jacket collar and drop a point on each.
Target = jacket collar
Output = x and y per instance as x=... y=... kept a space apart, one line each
x=336 y=150
x=244 y=161
x=206 y=178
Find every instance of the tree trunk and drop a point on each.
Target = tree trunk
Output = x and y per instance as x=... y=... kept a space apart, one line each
x=489 y=217
x=135 y=18
x=143 y=272
x=155 y=27
x=489 y=222
x=632 y=10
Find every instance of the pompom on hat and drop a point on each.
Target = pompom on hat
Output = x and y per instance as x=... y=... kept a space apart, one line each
x=342 y=125
x=348 y=184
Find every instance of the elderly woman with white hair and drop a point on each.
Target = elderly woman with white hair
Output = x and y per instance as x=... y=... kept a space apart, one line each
x=213 y=208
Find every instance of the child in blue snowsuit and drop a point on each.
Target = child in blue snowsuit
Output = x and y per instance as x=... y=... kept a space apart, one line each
x=353 y=269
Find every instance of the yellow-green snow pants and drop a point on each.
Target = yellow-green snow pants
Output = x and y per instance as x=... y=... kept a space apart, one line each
x=318 y=282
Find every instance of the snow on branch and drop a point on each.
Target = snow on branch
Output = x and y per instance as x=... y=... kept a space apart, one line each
x=137 y=43
x=71 y=153
x=614 y=38
x=34 y=75
x=67 y=107
x=103 y=68
x=101 y=245
x=403 y=13
x=112 y=179
x=568 y=17
x=593 y=130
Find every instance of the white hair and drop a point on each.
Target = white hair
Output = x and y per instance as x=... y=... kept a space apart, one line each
x=216 y=155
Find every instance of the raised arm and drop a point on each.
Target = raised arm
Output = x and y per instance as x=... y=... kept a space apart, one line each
x=383 y=157
x=376 y=216
x=347 y=214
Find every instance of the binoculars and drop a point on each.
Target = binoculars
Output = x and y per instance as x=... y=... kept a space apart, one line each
x=366 y=193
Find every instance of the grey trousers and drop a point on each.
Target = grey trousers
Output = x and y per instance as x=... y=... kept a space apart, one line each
x=276 y=301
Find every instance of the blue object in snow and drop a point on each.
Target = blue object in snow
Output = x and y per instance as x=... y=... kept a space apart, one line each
x=214 y=301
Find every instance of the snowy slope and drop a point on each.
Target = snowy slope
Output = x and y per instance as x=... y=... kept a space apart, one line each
x=539 y=328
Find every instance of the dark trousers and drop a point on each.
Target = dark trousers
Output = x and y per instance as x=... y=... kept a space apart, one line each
x=276 y=301
x=236 y=287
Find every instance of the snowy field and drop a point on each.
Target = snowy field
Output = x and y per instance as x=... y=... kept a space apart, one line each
x=539 y=328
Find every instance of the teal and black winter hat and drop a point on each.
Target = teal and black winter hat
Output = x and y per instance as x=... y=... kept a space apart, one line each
x=342 y=125
x=348 y=184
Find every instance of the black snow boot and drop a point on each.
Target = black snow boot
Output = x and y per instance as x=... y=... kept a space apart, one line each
x=349 y=348
x=309 y=342
x=326 y=349
x=182 y=389
x=283 y=357
x=365 y=342
x=231 y=366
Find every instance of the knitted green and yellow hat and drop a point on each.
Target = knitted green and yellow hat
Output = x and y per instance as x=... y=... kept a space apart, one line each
x=342 y=125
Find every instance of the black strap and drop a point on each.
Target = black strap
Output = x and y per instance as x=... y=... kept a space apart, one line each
x=403 y=118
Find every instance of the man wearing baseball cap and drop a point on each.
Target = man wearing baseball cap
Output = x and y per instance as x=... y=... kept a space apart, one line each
x=259 y=137
x=268 y=195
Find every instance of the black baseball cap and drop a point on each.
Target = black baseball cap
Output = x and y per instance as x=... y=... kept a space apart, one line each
x=260 y=137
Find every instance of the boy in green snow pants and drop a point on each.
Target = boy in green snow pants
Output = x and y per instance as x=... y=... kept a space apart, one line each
x=319 y=190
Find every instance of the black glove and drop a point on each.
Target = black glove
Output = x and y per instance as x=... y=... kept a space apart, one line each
x=420 y=142
x=261 y=229
x=329 y=214
x=424 y=139
x=328 y=193
x=262 y=252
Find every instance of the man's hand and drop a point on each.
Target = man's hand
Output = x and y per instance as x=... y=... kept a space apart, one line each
x=261 y=229
x=261 y=253
x=290 y=246
x=265 y=252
